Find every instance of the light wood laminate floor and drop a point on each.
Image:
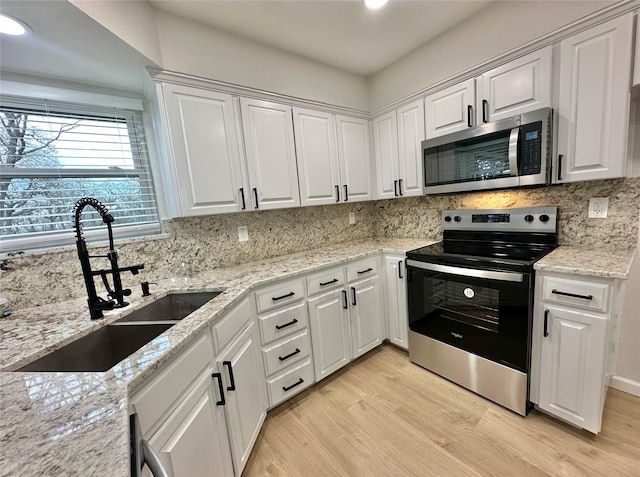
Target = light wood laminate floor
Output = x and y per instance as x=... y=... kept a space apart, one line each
x=384 y=416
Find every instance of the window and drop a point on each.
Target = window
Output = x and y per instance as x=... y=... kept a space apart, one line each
x=54 y=153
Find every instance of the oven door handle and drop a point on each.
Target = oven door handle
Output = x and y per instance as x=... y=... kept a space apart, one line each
x=468 y=272
x=513 y=151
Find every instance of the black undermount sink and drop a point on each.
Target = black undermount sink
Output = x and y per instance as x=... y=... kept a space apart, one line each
x=107 y=346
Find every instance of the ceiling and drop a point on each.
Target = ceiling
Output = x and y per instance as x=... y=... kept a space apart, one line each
x=340 y=33
x=67 y=44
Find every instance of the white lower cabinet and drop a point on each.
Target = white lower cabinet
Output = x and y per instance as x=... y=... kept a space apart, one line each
x=396 y=300
x=573 y=346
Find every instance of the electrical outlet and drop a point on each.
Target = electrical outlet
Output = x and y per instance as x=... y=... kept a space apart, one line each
x=598 y=207
x=243 y=234
x=352 y=218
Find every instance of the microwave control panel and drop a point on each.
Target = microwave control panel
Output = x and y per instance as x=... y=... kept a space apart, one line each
x=530 y=148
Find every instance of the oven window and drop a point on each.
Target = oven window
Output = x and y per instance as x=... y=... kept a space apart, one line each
x=487 y=317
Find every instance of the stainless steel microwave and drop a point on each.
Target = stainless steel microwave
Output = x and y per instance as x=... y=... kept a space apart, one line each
x=512 y=152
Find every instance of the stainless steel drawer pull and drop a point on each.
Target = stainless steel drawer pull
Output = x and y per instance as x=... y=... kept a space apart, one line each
x=292 y=322
x=573 y=295
x=282 y=358
x=298 y=383
x=324 y=284
x=276 y=298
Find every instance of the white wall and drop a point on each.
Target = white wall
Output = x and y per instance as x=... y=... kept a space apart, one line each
x=495 y=30
x=193 y=48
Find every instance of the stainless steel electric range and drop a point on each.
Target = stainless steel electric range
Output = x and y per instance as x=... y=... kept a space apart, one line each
x=470 y=299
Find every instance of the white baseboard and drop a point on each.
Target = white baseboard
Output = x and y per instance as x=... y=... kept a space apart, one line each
x=626 y=385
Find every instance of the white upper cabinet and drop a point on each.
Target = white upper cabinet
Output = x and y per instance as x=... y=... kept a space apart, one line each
x=333 y=157
x=202 y=139
x=451 y=110
x=355 y=159
x=517 y=87
x=595 y=72
x=271 y=155
x=397 y=139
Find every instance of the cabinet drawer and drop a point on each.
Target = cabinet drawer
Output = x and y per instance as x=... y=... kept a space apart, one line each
x=157 y=396
x=362 y=269
x=280 y=294
x=281 y=356
x=231 y=324
x=325 y=280
x=283 y=322
x=577 y=293
x=291 y=383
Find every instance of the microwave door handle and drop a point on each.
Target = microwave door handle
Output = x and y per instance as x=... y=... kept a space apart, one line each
x=513 y=151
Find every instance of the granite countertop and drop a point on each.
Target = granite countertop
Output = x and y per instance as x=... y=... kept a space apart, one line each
x=586 y=261
x=77 y=423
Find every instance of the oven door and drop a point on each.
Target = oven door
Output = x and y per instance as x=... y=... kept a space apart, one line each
x=484 y=312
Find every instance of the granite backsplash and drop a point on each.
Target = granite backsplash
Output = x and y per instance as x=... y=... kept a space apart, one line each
x=195 y=244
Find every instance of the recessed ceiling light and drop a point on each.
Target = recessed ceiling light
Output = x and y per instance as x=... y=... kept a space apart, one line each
x=12 y=26
x=375 y=4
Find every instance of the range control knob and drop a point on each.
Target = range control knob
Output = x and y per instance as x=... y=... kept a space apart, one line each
x=528 y=218
x=447 y=218
x=544 y=218
x=457 y=218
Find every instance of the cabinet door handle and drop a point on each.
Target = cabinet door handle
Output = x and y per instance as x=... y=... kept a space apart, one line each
x=346 y=193
x=546 y=322
x=395 y=188
x=244 y=205
x=469 y=115
x=292 y=322
x=485 y=111
x=400 y=186
x=255 y=194
x=559 y=167
x=573 y=295
x=282 y=297
x=337 y=193
x=218 y=376
x=360 y=272
x=353 y=295
x=345 y=302
x=323 y=284
x=400 y=269
x=282 y=358
x=232 y=385
x=298 y=383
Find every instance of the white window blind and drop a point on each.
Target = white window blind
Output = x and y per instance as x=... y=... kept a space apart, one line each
x=54 y=153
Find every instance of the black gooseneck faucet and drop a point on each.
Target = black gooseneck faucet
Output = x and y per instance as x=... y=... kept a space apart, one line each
x=96 y=303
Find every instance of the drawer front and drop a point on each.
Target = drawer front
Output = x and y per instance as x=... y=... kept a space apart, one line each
x=279 y=357
x=278 y=295
x=153 y=400
x=362 y=269
x=283 y=322
x=577 y=293
x=325 y=280
x=231 y=324
x=291 y=383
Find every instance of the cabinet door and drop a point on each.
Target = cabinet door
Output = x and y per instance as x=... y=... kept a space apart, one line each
x=245 y=392
x=451 y=109
x=572 y=366
x=366 y=315
x=204 y=144
x=396 y=294
x=330 y=332
x=317 y=154
x=519 y=86
x=410 y=137
x=595 y=70
x=385 y=142
x=271 y=156
x=193 y=439
x=355 y=159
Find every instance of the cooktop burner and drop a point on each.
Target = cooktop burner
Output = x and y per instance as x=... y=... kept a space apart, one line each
x=500 y=239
